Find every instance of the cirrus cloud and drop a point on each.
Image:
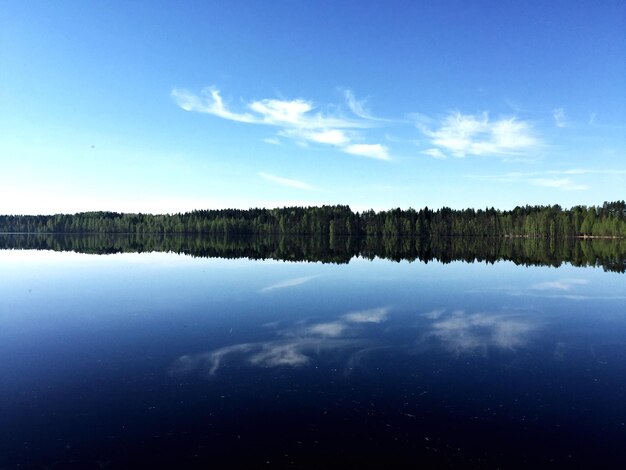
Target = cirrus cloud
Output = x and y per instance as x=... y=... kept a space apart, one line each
x=562 y=180
x=298 y=119
x=461 y=135
x=377 y=151
x=565 y=184
x=287 y=182
x=559 y=117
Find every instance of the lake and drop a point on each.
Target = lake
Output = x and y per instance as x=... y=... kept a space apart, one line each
x=159 y=358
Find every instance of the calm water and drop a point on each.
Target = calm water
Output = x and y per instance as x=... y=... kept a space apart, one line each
x=157 y=358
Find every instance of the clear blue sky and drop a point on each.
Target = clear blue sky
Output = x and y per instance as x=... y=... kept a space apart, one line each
x=173 y=106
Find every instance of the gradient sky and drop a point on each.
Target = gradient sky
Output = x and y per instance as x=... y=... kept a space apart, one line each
x=173 y=106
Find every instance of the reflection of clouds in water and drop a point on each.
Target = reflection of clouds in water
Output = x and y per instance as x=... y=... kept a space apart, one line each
x=293 y=352
x=562 y=284
x=299 y=345
x=280 y=354
x=559 y=289
x=207 y=362
x=360 y=356
x=559 y=351
x=296 y=347
x=434 y=314
x=288 y=283
x=568 y=296
x=375 y=315
x=576 y=348
x=465 y=332
x=327 y=329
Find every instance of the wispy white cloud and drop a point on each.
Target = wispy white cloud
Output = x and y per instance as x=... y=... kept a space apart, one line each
x=518 y=175
x=283 y=112
x=556 y=179
x=515 y=105
x=287 y=182
x=377 y=151
x=272 y=141
x=399 y=140
x=461 y=135
x=210 y=102
x=435 y=153
x=299 y=113
x=565 y=184
x=421 y=120
x=592 y=119
x=559 y=117
x=297 y=119
x=358 y=107
x=578 y=171
x=336 y=137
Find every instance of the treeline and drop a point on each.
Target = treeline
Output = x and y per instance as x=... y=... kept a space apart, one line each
x=608 y=254
x=608 y=220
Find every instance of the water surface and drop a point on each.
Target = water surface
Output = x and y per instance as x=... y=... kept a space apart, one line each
x=161 y=358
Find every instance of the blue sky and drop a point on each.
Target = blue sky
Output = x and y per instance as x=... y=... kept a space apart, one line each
x=173 y=106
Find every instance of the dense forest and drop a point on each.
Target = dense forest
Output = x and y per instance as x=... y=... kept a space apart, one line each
x=608 y=220
x=608 y=254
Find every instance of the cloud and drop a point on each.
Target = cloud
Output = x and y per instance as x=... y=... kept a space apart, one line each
x=356 y=106
x=278 y=112
x=555 y=179
x=377 y=151
x=529 y=175
x=375 y=315
x=515 y=105
x=297 y=119
x=335 y=137
x=465 y=134
x=559 y=117
x=565 y=184
x=209 y=102
x=287 y=182
x=586 y=171
x=592 y=119
x=288 y=283
x=272 y=141
x=435 y=153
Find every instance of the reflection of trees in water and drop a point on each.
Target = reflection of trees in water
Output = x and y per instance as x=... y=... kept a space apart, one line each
x=608 y=254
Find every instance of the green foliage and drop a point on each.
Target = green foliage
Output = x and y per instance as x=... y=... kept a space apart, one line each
x=609 y=220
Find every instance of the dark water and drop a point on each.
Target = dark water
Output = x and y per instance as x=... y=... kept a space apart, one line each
x=160 y=359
